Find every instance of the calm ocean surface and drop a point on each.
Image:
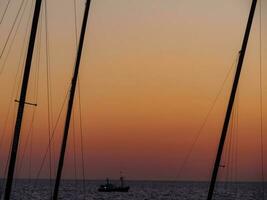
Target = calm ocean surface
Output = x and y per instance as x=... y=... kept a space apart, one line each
x=140 y=190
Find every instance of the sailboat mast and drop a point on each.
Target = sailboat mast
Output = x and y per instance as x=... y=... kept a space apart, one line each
x=71 y=99
x=231 y=100
x=22 y=100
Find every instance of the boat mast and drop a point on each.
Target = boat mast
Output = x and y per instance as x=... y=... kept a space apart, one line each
x=71 y=99
x=231 y=100
x=22 y=100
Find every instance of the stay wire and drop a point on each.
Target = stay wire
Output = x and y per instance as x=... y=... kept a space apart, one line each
x=35 y=97
x=229 y=159
x=231 y=149
x=198 y=133
x=232 y=171
x=80 y=106
x=74 y=152
x=51 y=139
x=226 y=165
x=261 y=103
x=73 y=115
x=22 y=54
x=81 y=137
x=12 y=41
x=48 y=84
x=230 y=164
x=5 y=10
x=237 y=142
x=11 y=30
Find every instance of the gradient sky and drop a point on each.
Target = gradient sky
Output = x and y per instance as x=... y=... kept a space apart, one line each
x=150 y=72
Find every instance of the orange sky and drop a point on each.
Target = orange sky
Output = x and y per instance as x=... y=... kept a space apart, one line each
x=150 y=71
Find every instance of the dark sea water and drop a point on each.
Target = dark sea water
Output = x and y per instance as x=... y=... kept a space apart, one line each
x=140 y=190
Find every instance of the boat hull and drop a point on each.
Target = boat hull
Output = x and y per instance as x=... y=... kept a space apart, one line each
x=117 y=189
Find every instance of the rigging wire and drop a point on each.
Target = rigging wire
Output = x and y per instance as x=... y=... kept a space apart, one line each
x=28 y=140
x=51 y=139
x=11 y=98
x=237 y=142
x=198 y=133
x=261 y=103
x=228 y=149
x=75 y=23
x=12 y=41
x=11 y=30
x=5 y=10
x=22 y=54
x=74 y=153
x=73 y=115
x=80 y=106
x=81 y=138
x=35 y=98
x=232 y=152
x=49 y=101
x=231 y=165
x=80 y=114
x=231 y=159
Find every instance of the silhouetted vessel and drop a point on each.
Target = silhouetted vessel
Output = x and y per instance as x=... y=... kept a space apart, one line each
x=108 y=187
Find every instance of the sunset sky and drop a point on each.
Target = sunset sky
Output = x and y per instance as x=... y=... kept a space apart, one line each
x=150 y=72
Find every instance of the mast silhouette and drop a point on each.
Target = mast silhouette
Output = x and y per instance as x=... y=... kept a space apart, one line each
x=231 y=100
x=22 y=101
x=71 y=99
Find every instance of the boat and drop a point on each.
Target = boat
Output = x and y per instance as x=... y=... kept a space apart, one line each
x=109 y=187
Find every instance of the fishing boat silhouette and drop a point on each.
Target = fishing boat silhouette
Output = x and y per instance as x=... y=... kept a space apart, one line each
x=109 y=187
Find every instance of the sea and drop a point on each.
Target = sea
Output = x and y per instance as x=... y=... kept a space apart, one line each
x=139 y=190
